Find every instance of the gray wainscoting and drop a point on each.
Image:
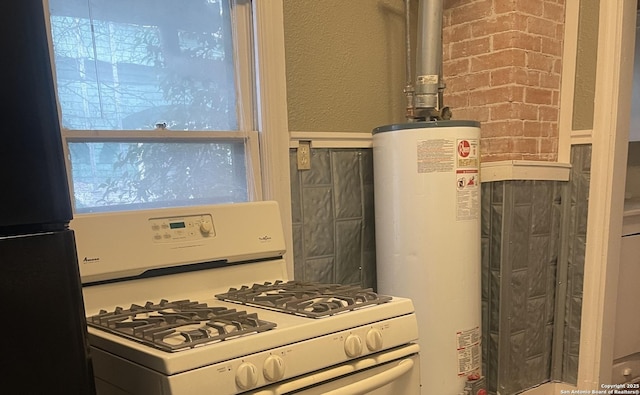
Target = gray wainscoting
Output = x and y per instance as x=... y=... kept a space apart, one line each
x=573 y=247
x=520 y=230
x=333 y=217
x=533 y=249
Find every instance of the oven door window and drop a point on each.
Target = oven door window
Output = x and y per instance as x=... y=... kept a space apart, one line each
x=155 y=102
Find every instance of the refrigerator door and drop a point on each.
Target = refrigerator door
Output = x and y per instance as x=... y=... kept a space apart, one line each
x=44 y=335
x=33 y=178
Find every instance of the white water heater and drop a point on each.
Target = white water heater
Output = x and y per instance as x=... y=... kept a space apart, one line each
x=427 y=221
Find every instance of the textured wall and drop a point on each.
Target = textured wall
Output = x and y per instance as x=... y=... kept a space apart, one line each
x=502 y=61
x=345 y=64
x=333 y=217
x=586 y=57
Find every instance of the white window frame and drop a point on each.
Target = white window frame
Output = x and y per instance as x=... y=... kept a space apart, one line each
x=272 y=113
x=265 y=126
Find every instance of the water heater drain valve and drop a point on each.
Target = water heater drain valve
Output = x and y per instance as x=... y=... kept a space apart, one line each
x=475 y=385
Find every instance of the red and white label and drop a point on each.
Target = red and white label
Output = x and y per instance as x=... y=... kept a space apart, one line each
x=464 y=148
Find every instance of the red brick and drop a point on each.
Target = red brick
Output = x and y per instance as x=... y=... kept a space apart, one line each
x=468 y=82
x=532 y=129
x=560 y=31
x=538 y=61
x=531 y=7
x=514 y=111
x=549 y=113
x=525 y=145
x=480 y=114
x=448 y=4
x=446 y=52
x=512 y=86
x=456 y=33
x=471 y=11
x=538 y=96
x=554 y=11
x=446 y=18
x=542 y=129
x=502 y=94
x=473 y=47
x=515 y=75
x=551 y=128
x=557 y=66
x=550 y=80
x=503 y=128
x=500 y=23
x=516 y=39
x=556 y=98
x=502 y=76
x=456 y=67
x=496 y=144
x=495 y=60
x=497 y=157
x=456 y=99
x=551 y=46
x=549 y=145
x=541 y=26
x=504 y=6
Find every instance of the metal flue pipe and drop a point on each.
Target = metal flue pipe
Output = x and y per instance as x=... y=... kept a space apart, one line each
x=428 y=84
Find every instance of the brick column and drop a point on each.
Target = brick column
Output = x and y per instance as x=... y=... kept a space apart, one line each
x=502 y=61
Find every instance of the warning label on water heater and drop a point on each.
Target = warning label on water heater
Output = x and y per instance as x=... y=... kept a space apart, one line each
x=468 y=348
x=435 y=156
x=467 y=194
x=467 y=153
x=467 y=180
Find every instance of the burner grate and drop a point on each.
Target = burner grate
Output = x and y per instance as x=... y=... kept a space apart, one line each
x=314 y=300
x=179 y=325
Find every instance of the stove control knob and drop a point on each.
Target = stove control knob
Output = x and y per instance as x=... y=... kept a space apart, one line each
x=353 y=346
x=246 y=376
x=374 y=339
x=273 y=368
x=206 y=227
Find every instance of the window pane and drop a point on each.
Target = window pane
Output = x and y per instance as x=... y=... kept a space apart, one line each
x=128 y=176
x=129 y=65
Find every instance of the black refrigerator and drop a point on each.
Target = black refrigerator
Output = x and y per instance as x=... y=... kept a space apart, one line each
x=45 y=349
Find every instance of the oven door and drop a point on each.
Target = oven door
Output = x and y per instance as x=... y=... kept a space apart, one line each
x=392 y=372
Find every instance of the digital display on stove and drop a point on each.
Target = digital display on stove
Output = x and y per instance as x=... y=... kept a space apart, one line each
x=176 y=225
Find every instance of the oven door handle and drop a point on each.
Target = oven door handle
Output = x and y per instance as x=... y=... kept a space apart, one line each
x=374 y=382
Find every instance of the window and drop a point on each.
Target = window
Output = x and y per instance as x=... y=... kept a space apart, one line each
x=156 y=101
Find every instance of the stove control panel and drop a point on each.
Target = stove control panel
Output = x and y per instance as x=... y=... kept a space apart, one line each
x=290 y=361
x=185 y=228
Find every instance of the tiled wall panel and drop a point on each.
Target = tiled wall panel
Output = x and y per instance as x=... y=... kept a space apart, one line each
x=333 y=217
x=520 y=226
x=576 y=236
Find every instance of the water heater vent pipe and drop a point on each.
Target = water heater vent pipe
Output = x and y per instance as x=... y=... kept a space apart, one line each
x=427 y=98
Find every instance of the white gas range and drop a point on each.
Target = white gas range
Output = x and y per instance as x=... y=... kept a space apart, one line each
x=197 y=301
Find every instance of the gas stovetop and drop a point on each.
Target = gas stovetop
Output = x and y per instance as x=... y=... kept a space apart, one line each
x=314 y=300
x=178 y=325
x=184 y=324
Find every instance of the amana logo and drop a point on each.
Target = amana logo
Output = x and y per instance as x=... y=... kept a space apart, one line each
x=264 y=238
x=90 y=260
